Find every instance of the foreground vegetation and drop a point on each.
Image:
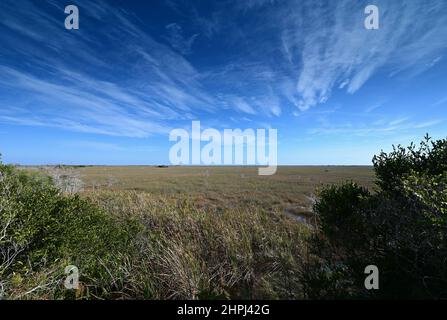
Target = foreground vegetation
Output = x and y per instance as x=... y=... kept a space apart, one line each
x=196 y=237
x=401 y=228
x=129 y=244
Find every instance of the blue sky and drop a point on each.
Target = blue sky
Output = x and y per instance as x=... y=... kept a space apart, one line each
x=110 y=92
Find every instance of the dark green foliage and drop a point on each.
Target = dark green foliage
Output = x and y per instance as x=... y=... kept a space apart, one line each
x=42 y=229
x=402 y=228
x=429 y=158
x=340 y=203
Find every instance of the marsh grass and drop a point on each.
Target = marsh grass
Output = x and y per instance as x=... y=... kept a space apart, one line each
x=185 y=252
x=293 y=187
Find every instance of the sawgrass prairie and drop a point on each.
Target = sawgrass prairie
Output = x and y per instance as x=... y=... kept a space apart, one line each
x=292 y=188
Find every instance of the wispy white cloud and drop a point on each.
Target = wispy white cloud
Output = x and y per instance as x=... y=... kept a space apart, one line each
x=177 y=40
x=77 y=108
x=337 y=51
x=254 y=4
x=75 y=85
x=374 y=106
x=440 y=102
x=374 y=129
x=428 y=124
x=316 y=47
x=398 y=121
x=242 y=105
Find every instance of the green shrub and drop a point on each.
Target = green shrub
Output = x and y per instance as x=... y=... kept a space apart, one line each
x=429 y=158
x=401 y=228
x=43 y=230
x=340 y=218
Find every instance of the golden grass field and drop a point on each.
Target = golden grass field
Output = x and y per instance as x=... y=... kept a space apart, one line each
x=292 y=188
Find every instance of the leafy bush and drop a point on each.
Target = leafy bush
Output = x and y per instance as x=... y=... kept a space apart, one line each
x=341 y=222
x=401 y=228
x=43 y=230
x=430 y=158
